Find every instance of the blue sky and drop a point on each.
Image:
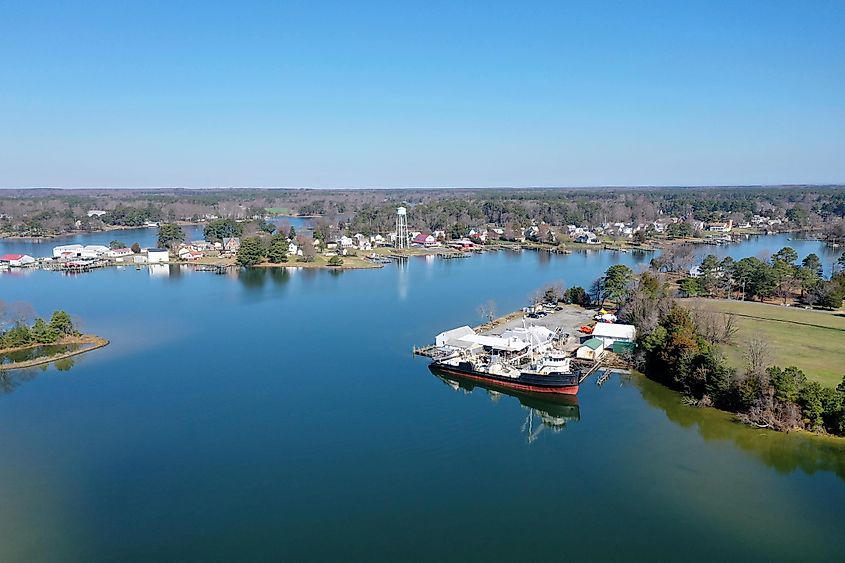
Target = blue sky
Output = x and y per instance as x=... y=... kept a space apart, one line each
x=377 y=94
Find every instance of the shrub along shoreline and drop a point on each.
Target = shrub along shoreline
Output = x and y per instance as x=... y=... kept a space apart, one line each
x=680 y=347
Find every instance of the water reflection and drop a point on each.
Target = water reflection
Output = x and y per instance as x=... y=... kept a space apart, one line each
x=403 y=278
x=544 y=412
x=12 y=379
x=159 y=270
x=255 y=279
x=785 y=452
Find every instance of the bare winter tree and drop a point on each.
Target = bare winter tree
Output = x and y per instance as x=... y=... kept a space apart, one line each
x=715 y=327
x=15 y=312
x=757 y=356
x=487 y=311
x=536 y=298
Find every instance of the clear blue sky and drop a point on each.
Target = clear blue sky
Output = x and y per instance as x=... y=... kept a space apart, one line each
x=358 y=94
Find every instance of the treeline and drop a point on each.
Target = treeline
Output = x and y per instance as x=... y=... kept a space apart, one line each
x=373 y=211
x=459 y=210
x=40 y=332
x=781 y=276
x=679 y=347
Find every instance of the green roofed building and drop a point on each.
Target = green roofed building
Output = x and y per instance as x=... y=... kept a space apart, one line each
x=591 y=349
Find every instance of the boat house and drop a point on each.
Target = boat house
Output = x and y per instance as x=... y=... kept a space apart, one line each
x=591 y=349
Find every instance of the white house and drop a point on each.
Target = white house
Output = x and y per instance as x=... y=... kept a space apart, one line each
x=17 y=260
x=119 y=252
x=201 y=245
x=612 y=332
x=157 y=255
x=480 y=234
x=362 y=242
x=423 y=239
x=587 y=238
x=96 y=213
x=720 y=227
x=231 y=244
x=188 y=254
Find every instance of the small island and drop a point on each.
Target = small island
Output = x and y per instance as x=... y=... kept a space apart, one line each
x=24 y=345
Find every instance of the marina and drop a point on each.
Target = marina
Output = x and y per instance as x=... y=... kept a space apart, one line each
x=528 y=352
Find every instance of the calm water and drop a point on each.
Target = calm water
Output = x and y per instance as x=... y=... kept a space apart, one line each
x=37 y=352
x=279 y=414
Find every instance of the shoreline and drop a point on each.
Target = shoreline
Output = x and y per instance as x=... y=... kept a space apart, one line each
x=732 y=416
x=95 y=341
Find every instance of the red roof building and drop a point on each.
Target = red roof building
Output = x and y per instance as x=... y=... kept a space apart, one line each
x=423 y=239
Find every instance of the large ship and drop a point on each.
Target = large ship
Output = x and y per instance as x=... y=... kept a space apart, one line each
x=550 y=374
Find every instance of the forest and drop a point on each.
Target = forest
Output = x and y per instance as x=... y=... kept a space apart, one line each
x=46 y=212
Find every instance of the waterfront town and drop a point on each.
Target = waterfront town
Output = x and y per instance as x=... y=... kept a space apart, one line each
x=329 y=241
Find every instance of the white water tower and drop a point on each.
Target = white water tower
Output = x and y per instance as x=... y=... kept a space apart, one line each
x=401 y=228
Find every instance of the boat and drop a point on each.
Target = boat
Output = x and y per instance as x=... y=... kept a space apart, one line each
x=550 y=374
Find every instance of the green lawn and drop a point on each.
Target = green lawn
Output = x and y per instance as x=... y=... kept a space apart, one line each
x=277 y=210
x=813 y=341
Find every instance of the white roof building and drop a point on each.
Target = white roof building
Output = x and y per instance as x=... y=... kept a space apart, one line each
x=612 y=332
x=72 y=250
x=157 y=255
x=119 y=252
x=512 y=344
x=94 y=251
x=445 y=337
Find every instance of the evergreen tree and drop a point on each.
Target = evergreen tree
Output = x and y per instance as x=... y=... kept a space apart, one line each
x=218 y=229
x=617 y=279
x=170 y=234
x=18 y=335
x=43 y=333
x=62 y=324
x=278 y=251
x=251 y=251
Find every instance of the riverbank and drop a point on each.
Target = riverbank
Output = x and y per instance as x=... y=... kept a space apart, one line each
x=88 y=342
x=321 y=262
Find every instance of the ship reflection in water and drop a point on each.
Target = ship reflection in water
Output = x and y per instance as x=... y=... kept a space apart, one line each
x=547 y=411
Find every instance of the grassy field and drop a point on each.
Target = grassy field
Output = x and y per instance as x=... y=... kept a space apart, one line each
x=813 y=341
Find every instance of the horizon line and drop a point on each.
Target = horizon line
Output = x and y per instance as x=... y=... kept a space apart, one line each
x=431 y=188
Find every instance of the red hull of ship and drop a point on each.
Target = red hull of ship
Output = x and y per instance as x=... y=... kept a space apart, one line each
x=567 y=390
